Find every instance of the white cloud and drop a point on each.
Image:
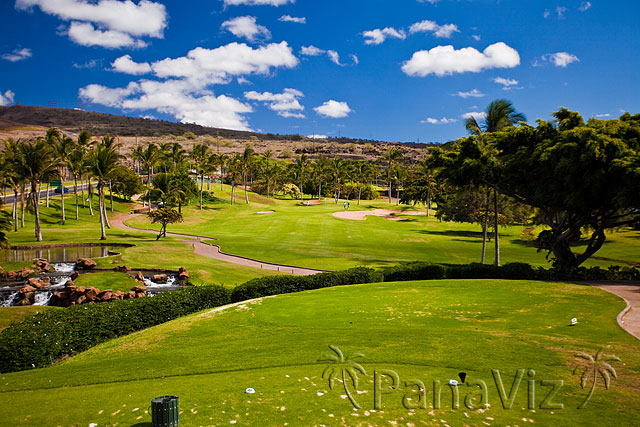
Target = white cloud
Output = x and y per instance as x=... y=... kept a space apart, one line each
x=378 y=36
x=560 y=10
x=445 y=60
x=114 y=19
x=286 y=104
x=312 y=51
x=476 y=37
x=475 y=93
x=215 y=66
x=442 y=121
x=334 y=57
x=426 y=26
x=602 y=116
x=474 y=114
x=317 y=136
x=505 y=82
x=257 y=2
x=126 y=65
x=18 y=55
x=355 y=59
x=7 y=98
x=185 y=94
x=289 y=18
x=246 y=27
x=92 y=63
x=428 y=1
x=86 y=35
x=546 y=13
x=333 y=109
x=242 y=81
x=584 y=6
x=560 y=59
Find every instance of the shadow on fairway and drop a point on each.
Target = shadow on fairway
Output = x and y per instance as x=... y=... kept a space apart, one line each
x=142 y=425
x=454 y=233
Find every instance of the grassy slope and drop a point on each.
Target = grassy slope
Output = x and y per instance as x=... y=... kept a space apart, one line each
x=424 y=330
x=9 y=315
x=168 y=253
x=310 y=236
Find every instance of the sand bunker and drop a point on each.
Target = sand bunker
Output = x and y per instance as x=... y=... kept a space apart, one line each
x=265 y=212
x=389 y=214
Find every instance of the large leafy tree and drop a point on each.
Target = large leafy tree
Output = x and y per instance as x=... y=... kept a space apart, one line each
x=36 y=163
x=584 y=179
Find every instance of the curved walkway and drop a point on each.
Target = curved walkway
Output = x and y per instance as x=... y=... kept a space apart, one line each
x=629 y=318
x=213 y=251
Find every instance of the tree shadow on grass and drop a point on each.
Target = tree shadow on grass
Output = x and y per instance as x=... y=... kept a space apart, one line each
x=142 y=425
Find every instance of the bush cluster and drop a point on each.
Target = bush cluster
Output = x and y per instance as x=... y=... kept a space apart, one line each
x=515 y=271
x=48 y=336
x=274 y=285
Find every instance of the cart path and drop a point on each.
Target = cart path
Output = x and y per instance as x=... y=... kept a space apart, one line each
x=213 y=251
x=629 y=318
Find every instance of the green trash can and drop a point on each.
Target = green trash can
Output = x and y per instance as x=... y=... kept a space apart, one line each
x=164 y=411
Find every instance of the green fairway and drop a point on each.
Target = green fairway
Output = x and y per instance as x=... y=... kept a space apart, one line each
x=169 y=253
x=421 y=330
x=309 y=236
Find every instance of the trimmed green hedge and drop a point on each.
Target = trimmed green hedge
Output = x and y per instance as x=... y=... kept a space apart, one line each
x=42 y=339
x=274 y=285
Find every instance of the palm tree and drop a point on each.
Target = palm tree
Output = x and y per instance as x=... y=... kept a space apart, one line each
x=499 y=115
x=109 y=141
x=246 y=164
x=103 y=161
x=11 y=178
x=594 y=366
x=36 y=163
x=76 y=163
x=344 y=367
x=176 y=154
x=199 y=156
x=300 y=168
x=149 y=158
x=320 y=168
x=52 y=137
x=62 y=149
x=234 y=173
x=161 y=188
x=5 y=225
x=84 y=143
x=393 y=158
x=339 y=172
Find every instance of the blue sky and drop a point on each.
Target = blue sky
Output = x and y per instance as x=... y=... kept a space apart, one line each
x=403 y=70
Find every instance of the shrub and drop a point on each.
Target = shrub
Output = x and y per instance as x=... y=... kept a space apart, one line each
x=48 y=336
x=275 y=285
x=415 y=271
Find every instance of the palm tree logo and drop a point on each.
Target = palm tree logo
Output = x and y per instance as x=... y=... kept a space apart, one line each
x=345 y=368
x=594 y=366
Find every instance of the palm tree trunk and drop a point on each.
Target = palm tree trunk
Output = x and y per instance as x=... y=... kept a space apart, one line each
x=319 y=189
x=36 y=197
x=103 y=235
x=47 y=194
x=389 y=191
x=497 y=240
x=104 y=208
x=359 y=193
x=246 y=195
x=201 y=189
x=75 y=191
x=91 y=205
x=428 y=199
x=64 y=219
x=111 y=193
x=23 y=190
x=15 y=210
x=484 y=226
x=148 y=193
x=82 y=189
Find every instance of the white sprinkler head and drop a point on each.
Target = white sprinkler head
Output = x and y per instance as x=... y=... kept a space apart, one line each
x=574 y=321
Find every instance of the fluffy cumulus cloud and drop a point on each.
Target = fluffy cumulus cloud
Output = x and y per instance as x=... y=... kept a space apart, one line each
x=560 y=59
x=426 y=26
x=478 y=115
x=18 y=55
x=507 y=84
x=445 y=60
x=475 y=93
x=246 y=27
x=257 y=2
x=334 y=57
x=442 y=121
x=185 y=91
x=295 y=19
x=286 y=104
x=315 y=51
x=7 y=98
x=378 y=36
x=107 y=23
x=126 y=65
x=333 y=109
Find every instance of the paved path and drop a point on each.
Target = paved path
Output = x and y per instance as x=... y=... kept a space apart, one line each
x=629 y=318
x=213 y=251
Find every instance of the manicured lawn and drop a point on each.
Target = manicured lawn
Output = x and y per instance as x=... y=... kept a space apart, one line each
x=169 y=253
x=107 y=280
x=309 y=236
x=429 y=331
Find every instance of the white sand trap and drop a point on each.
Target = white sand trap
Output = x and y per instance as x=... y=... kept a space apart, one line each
x=389 y=214
x=265 y=212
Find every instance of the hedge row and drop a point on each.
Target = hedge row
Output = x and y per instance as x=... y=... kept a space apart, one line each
x=42 y=339
x=275 y=285
x=516 y=271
